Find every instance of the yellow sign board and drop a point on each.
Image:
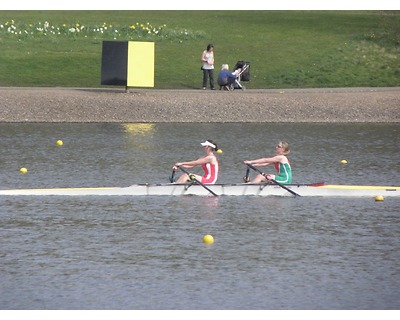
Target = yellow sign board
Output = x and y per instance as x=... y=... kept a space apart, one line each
x=140 y=64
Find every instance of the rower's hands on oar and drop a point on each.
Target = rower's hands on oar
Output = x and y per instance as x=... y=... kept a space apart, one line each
x=176 y=166
x=249 y=165
x=267 y=176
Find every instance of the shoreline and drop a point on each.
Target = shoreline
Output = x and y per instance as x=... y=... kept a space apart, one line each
x=84 y=105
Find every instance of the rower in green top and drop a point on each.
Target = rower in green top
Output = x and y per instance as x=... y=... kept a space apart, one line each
x=281 y=163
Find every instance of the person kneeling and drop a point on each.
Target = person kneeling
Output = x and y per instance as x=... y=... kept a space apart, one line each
x=227 y=78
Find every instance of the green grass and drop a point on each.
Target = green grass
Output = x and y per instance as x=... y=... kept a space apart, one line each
x=286 y=49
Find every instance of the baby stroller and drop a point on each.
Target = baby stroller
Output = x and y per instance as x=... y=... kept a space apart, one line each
x=244 y=74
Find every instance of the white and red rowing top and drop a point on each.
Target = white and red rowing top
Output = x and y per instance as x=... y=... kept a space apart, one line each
x=210 y=173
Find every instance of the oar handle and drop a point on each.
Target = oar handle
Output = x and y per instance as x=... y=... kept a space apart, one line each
x=172 y=177
x=202 y=184
x=273 y=180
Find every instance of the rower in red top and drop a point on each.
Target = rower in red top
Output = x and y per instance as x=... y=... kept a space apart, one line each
x=209 y=163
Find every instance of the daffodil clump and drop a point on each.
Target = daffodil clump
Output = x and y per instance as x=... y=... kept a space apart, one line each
x=105 y=30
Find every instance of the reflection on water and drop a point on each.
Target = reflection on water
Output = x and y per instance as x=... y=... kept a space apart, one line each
x=139 y=128
x=147 y=252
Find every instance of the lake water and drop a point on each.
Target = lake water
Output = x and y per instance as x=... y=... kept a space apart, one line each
x=141 y=253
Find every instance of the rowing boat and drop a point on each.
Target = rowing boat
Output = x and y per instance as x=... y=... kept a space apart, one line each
x=241 y=189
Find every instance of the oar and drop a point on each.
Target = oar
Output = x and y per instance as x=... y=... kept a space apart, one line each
x=195 y=180
x=273 y=180
x=172 y=177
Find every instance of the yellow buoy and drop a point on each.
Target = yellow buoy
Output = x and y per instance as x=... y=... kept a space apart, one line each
x=59 y=143
x=209 y=239
x=343 y=161
x=23 y=170
x=379 y=198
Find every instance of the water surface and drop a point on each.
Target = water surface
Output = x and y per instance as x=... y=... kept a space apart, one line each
x=147 y=252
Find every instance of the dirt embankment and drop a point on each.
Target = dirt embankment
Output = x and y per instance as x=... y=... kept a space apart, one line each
x=152 y=105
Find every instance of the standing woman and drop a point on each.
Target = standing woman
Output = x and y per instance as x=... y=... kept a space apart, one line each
x=209 y=164
x=281 y=163
x=208 y=66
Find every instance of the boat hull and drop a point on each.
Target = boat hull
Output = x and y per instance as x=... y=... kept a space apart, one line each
x=243 y=189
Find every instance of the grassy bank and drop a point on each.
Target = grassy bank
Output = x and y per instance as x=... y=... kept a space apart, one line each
x=286 y=49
